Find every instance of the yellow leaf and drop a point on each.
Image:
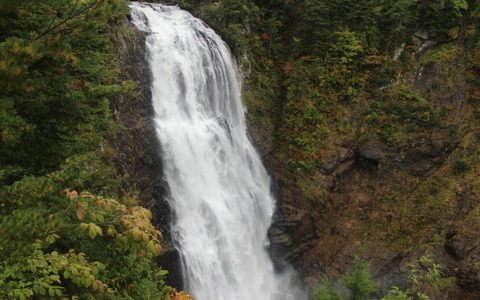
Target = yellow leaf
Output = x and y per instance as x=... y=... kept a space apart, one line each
x=151 y=247
x=100 y=218
x=83 y=226
x=92 y=233
x=111 y=231
x=29 y=50
x=137 y=235
x=145 y=236
x=142 y=253
x=98 y=230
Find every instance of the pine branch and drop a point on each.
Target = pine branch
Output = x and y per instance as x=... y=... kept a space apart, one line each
x=72 y=15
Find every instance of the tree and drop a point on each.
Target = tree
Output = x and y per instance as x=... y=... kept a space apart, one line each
x=326 y=291
x=64 y=230
x=425 y=277
x=55 y=76
x=442 y=18
x=358 y=282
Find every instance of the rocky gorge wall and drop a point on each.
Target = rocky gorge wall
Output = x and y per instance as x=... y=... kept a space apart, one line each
x=417 y=195
x=400 y=200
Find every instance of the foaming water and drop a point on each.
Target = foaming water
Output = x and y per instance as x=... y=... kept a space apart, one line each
x=219 y=189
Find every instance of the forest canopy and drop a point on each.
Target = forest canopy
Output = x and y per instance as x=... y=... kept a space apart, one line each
x=65 y=230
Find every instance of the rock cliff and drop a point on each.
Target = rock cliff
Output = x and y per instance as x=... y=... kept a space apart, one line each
x=401 y=200
x=134 y=144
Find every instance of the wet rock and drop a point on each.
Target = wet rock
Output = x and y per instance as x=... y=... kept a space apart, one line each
x=398 y=51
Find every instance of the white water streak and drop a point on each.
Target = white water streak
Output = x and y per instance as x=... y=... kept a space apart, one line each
x=219 y=190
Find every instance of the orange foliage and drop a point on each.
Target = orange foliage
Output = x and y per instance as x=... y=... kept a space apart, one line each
x=289 y=68
x=299 y=105
x=297 y=154
x=264 y=36
x=180 y=296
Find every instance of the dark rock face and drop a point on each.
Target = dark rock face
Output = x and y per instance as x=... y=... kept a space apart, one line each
x=135 y=147
x=332 y=163
x=318 y=237
x=370 y=157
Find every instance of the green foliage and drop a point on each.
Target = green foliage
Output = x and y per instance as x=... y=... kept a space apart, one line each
x=317 y=29
x=387 y=72
x=41 y=214
x=326 y=291
x=359 y=282
x=425 y=277
x=42 y=274
x=396 y=294
x=56 y=74
x=399 y=19
x=305 y=124
x=401 y=110
x=347 y=46
x=443 y=17
x=64 y=233
x=460 y=166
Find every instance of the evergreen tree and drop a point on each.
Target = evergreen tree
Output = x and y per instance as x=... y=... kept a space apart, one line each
x=359 y=282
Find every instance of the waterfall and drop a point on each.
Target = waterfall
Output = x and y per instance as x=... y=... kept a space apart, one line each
x=218 y=189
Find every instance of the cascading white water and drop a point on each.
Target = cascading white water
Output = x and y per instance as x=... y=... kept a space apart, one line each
x=219 y=190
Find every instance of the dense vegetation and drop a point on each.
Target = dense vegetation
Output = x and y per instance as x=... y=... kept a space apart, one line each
x=396 y=78
x=313 y=62
x=65 y=231
x=322 y=76
x=361 y=286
